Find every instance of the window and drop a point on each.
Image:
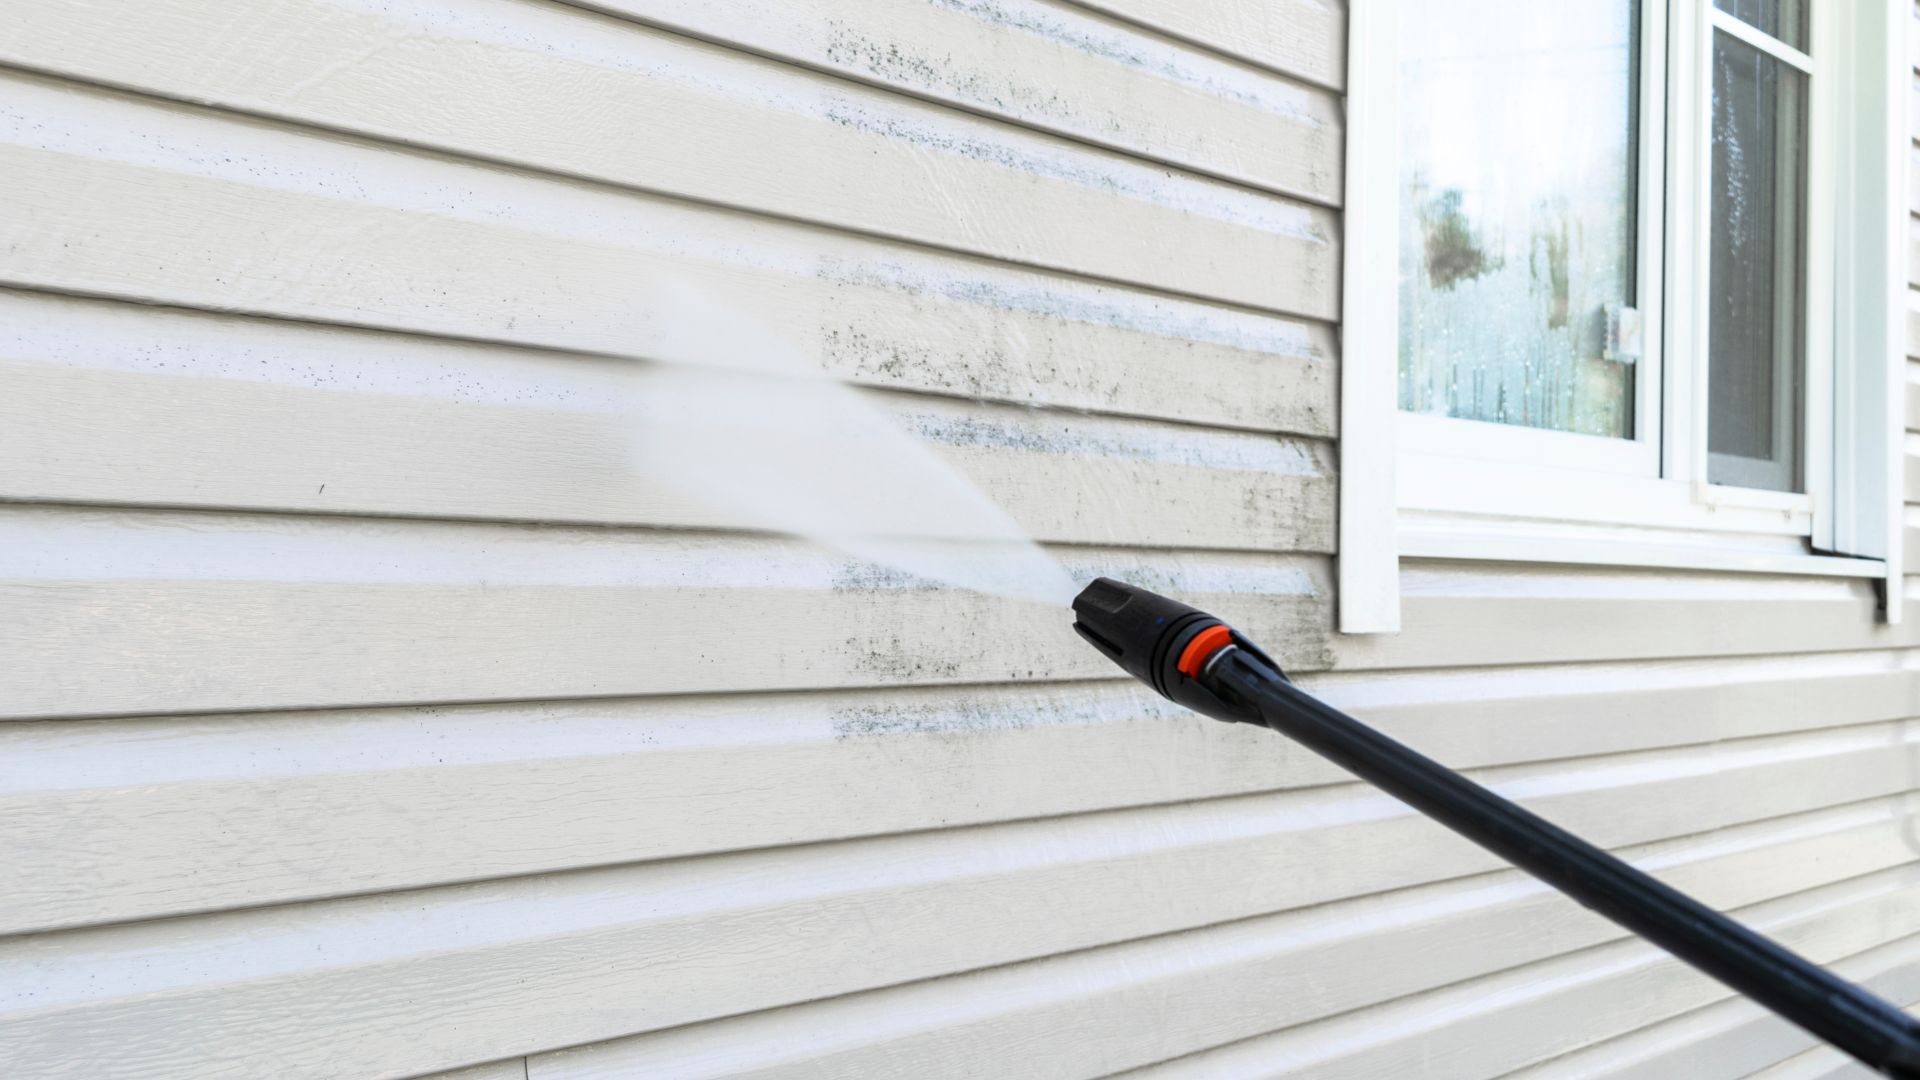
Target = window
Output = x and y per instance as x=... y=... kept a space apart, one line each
x=1533 y=232
x=1518 y=189
x=1646 y=307
x=1757 y=212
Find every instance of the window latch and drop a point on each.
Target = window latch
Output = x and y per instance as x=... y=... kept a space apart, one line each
x=1625 y=334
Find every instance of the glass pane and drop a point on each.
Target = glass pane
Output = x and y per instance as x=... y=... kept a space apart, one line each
x=1517 y=210
x=1782 y=19
x=1757 y=333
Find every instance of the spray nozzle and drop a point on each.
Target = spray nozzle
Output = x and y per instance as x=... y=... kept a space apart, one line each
x=1165 y=644
x=1198 y=661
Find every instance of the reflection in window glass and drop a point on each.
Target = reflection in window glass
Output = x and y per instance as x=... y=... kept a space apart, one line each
x=1757 y=333
x=1517 y=210
x=1782 y=19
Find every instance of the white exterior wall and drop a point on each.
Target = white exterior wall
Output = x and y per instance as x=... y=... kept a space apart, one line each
x=365 y=721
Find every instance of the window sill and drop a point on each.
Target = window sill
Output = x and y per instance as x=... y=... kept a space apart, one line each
x=1501 y=490
x=1485 y=539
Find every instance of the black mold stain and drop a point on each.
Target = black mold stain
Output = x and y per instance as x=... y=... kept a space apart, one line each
x=863 y=576
x=894 y=659
x=977 y=715
x=905 y=719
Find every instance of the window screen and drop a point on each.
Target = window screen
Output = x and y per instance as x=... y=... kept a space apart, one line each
x=1757 y=288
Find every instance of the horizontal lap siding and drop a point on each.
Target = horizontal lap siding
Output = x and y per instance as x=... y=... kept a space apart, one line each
x=1137 y=93
x=328 y=421
x=1294 y=973
x=1303 y=37
x=1488 y=1026
x=502 y=966
x=366 y=715
x=197 y=612
x=745 y=133
x=137 y=200
x=627 y=780
x=1734 y=1037
x=515 y=1069
x=321 y=378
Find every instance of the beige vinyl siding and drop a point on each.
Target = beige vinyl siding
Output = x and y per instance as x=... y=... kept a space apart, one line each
x=365 y=711
x=367 y=718
x=513 y=1069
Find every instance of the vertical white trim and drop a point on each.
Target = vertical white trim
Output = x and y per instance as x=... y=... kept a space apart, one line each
x=1690 y=225
x=1650 y=238
x=1869 y=289
x=1676 y=329
x=1369 y=557
x=1824 y=91
x=1897 y=25
x=1852 y=133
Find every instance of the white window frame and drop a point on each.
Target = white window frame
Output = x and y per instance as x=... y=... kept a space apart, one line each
x=1688 y=456
x=1448 y=438
x=1447 y=488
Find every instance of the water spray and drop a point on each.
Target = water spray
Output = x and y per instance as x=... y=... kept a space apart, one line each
x=1198 y=661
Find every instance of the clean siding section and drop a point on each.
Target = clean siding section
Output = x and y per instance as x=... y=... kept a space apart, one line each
x=1734 y=1037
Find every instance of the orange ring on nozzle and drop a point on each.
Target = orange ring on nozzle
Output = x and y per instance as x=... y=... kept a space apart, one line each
x=1204 y=645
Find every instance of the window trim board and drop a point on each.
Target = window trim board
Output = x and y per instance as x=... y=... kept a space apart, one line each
x=1367 y=571
x=1450 y=536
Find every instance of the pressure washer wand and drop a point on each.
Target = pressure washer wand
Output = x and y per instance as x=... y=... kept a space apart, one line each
x=1195 y=660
